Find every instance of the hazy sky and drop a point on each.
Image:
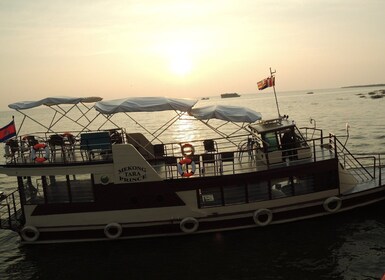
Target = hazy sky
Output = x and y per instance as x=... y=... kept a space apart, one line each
x=116 y=49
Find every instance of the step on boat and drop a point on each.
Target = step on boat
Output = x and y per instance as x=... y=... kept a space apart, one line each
x=85 y=177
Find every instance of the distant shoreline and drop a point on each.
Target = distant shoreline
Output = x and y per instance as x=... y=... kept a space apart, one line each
x=359 y=86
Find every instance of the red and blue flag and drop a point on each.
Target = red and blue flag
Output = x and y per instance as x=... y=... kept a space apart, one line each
x=7 y=132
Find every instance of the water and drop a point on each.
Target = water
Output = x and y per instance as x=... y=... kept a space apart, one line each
x=346 y=246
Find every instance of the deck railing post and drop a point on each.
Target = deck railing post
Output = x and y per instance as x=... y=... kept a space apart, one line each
x=335 y=147
x=14 y=203
x=380 y=172
x=9 y=214
x=374 y=167
x=267 y=160
x=314 y=151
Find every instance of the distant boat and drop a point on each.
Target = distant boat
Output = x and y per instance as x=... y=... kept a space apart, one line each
x=310 y=92
x=205 y=98
x=228 y=95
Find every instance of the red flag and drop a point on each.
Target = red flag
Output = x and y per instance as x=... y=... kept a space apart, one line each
x=271 y=81
x=262 y=84
x=7 y=132
x=265 y=83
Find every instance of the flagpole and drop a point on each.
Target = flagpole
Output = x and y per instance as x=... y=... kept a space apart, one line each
x=17 y=132
x=275 y=94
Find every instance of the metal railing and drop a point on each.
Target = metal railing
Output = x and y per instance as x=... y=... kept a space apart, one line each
x=353 y=163
x=11 y=214
x=230 y=155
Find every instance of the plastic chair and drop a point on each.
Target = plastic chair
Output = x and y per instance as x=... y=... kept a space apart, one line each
x=56 y=144
x=210 y=156
x=226 y=157
x=210 y=146
x=11 y=149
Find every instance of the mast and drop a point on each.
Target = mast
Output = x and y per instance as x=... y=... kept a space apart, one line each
x=272 y=77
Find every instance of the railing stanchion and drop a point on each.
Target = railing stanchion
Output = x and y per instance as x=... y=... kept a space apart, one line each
x=380 y=172
x=9 y=215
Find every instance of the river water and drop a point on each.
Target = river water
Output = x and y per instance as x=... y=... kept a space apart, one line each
x=346 y=246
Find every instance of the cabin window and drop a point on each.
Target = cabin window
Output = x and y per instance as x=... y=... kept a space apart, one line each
x=281 y=187
x=271 y=141
x=210 y=197
x=303 y=184
x=268 y=189
x=295 y=185
x=81 y=188
x=33 y=189
x=56 y=189
x=258 y=191
x=235 y=194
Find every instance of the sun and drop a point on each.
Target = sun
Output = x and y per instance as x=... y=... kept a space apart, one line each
x=179 y=56
x=181 y=65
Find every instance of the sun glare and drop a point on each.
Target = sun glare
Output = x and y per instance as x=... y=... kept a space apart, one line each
x=179 y=57
x=181 y=65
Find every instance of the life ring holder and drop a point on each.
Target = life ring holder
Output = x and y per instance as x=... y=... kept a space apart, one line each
x=189 y=225
x=188 y=150
x=332 y=204
x=30 y=233
x=187 y=161
x=113 y=230
x=263 y=217
x=37 y=147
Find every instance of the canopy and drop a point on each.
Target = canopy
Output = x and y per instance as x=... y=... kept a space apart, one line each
x=50 y=101
x=226 y=113
x=144 y=104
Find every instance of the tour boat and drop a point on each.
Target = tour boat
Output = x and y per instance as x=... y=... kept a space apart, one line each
x=101 y=170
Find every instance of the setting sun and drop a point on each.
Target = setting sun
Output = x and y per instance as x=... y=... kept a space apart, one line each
x=181 y=64
x=179 y=56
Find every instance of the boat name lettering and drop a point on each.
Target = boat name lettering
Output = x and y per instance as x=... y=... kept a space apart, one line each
x=132 y=174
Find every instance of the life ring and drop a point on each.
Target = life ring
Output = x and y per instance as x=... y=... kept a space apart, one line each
x=186 y=173
x=189 y=225
x=332 y=204
x=37 y=147
x=30 y=233
x=188 y=150
x=113 y=230
x=263 y=217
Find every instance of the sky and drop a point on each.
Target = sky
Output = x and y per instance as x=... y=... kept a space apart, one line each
x=175 y=48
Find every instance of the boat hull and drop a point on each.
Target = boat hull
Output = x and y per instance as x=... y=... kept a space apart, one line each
x=212 y=223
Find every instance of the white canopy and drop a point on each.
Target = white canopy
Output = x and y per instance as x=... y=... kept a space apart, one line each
x=144 y=104
x=226 y=113
x=50 y=101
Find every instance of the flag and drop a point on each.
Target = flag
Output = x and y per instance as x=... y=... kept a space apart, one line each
x=265 y=83
x=7 y=132
x=262 y=84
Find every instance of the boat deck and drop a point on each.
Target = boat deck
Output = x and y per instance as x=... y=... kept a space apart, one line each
x=211 y=157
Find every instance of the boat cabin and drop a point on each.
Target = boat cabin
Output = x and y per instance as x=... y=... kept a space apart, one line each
x=279 y=140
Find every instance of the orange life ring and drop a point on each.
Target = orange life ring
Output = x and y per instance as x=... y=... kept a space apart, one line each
x=186 y=173
x=188 y=150
x=37 y=147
